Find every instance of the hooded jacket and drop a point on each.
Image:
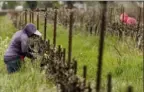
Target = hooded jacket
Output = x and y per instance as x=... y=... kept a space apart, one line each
x=19 y=43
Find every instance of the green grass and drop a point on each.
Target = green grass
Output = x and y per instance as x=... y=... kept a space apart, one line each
x=126 y=68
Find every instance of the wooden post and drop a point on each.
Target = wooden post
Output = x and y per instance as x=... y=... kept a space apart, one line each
x=55 y=28
x=45 y=25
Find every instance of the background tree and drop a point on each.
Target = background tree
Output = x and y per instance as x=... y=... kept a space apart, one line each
x=49 y=4
x=31 y=4
x=9 y=4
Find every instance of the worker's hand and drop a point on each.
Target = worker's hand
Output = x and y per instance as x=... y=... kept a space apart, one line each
x=30 y=50
x=31 y=55
x=34 y=56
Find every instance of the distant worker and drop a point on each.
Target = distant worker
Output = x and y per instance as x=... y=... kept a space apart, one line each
x=123 y=17
x=127 y=20
x=14 y=15
x=19 y=8
x=18 y=48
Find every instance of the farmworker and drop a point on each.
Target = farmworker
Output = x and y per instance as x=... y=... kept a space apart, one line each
x=127 y=20
x=14 y=14
x=123 y=17
x=131 y=21
x=18 y=48
x=19 y=8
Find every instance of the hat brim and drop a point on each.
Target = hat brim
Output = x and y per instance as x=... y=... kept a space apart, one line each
x=38 y=33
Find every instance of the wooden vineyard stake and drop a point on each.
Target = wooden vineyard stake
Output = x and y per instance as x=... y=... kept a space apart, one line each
x=70 y=39
x=55 y=28
x=45 y=25
x=101 y=46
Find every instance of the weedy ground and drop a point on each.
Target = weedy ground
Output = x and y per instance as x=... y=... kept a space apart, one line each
x=121 y=58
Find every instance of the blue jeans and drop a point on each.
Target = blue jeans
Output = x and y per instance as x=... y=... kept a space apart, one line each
x=14 y=65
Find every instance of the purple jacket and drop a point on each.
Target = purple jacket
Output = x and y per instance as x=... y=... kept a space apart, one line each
x=19 y=43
